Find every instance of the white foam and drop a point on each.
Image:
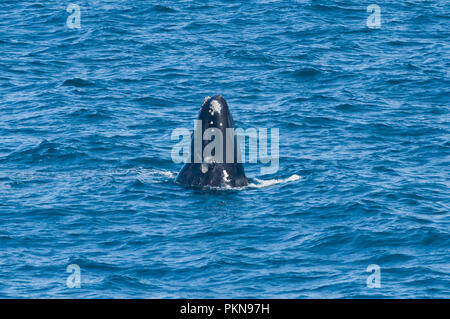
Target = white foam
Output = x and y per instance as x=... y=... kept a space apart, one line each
x=154 y=175
x=162 y=173
x=269 y=182
x=158 y=176
x=259 y=183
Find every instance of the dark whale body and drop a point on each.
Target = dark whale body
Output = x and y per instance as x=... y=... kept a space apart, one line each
x=215 y=114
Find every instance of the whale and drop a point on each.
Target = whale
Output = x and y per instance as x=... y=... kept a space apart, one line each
x=215 y=159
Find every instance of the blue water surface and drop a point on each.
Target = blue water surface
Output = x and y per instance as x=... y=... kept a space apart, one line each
x=86 y=175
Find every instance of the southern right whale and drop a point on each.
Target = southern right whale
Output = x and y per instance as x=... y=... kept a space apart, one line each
x=224 y=167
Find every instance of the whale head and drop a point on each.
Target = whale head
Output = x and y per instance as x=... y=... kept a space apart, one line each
x=215 y=157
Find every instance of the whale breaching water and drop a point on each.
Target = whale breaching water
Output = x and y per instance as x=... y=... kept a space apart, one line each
x=215 y=158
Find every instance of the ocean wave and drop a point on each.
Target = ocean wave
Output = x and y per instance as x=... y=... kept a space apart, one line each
x=86 y=178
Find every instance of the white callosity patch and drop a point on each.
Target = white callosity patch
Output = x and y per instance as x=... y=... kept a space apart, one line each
x=215 y=107
x=205 y=100
x=204 y=168
x=226 y=178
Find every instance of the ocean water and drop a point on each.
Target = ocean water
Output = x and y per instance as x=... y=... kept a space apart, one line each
x=86 y=175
